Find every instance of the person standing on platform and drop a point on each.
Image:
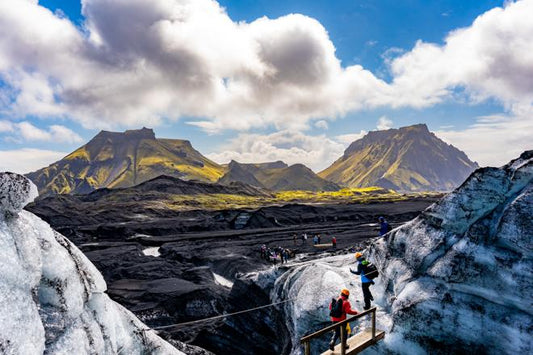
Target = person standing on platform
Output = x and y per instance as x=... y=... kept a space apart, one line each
x=338 y=309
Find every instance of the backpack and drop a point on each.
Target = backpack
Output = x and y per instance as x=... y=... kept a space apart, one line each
x=370 y=270
x=336 y=308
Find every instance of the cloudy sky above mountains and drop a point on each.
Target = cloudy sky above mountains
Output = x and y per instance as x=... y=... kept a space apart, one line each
x=273 y=80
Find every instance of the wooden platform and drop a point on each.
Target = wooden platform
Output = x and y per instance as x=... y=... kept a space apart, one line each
x=323 y=245
x=358 y=342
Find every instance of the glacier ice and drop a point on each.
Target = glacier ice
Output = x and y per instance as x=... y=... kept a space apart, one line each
x=52 y=298
x=456 y=279
x=460 y=275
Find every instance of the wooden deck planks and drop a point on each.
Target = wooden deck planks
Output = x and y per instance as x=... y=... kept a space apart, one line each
x=358 y=342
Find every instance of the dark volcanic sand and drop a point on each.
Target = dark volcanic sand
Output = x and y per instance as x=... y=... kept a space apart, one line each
x=179 y=284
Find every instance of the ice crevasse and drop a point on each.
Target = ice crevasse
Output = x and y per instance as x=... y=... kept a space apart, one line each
x=52 y=297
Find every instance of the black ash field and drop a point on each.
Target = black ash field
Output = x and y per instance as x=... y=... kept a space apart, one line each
x=173 y=265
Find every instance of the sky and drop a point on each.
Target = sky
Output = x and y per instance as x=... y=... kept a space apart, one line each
x=258 y=81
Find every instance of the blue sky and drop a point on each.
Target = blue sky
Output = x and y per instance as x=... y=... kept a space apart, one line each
x=385 y=79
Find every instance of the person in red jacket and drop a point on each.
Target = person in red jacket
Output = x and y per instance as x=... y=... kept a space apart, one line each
x=346 y=309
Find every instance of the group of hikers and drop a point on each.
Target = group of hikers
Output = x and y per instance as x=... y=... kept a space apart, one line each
x=273 y=254
x=317 y=239
x=341 y=307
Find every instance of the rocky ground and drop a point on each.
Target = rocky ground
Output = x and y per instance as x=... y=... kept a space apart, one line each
x=172 y=267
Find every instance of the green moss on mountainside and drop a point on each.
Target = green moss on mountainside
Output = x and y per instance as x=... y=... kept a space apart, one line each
x=122 y=159
x=406 y=159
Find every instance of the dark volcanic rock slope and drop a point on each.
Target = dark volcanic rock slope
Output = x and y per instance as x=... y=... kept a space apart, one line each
x=166 y=265
x=406 y=159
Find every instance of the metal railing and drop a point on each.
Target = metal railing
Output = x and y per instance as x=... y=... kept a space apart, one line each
x=306 y=340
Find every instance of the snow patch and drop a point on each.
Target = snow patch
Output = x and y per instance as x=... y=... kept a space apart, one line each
x=152 y=251
x=221 y=280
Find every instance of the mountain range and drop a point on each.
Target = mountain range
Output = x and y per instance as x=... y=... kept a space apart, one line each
x=277 y=176
x=405 y=159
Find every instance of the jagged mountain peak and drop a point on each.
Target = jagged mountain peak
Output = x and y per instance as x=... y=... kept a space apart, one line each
x=406 y=159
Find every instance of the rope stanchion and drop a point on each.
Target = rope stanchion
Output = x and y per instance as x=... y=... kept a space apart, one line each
x=177 y=325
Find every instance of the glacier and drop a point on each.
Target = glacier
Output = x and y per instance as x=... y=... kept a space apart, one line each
x=52 y=298
x=456 y=279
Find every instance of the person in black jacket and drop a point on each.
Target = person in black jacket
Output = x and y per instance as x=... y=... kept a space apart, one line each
x=384 y=226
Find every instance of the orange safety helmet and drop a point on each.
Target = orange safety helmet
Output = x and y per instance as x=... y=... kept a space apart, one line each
x=345 y=292
x=358 y=255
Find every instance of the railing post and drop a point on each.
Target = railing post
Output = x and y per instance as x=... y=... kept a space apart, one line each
x=343 y=330
x=307 y=346
x=374 y=324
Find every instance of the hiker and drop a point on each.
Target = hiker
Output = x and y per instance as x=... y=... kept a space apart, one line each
x=285 y=255
x=318 y=236
x=273 y=257
x=294 y=238
x=338 y=310
x=315 y=239
x=366 y=280
x=384 y=227
x=263 y=252
x=334 y=242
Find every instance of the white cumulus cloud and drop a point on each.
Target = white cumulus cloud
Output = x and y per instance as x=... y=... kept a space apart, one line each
x=384 y=123
x=6 y=126
x=26 y=160
x=351 y=137
x=55 y=133
x=316 y=152
x=492 y=58
x=141 y=62
x=494 y=140
x=322 y=124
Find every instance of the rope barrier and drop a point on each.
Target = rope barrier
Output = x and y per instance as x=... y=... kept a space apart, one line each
x=176 y=325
